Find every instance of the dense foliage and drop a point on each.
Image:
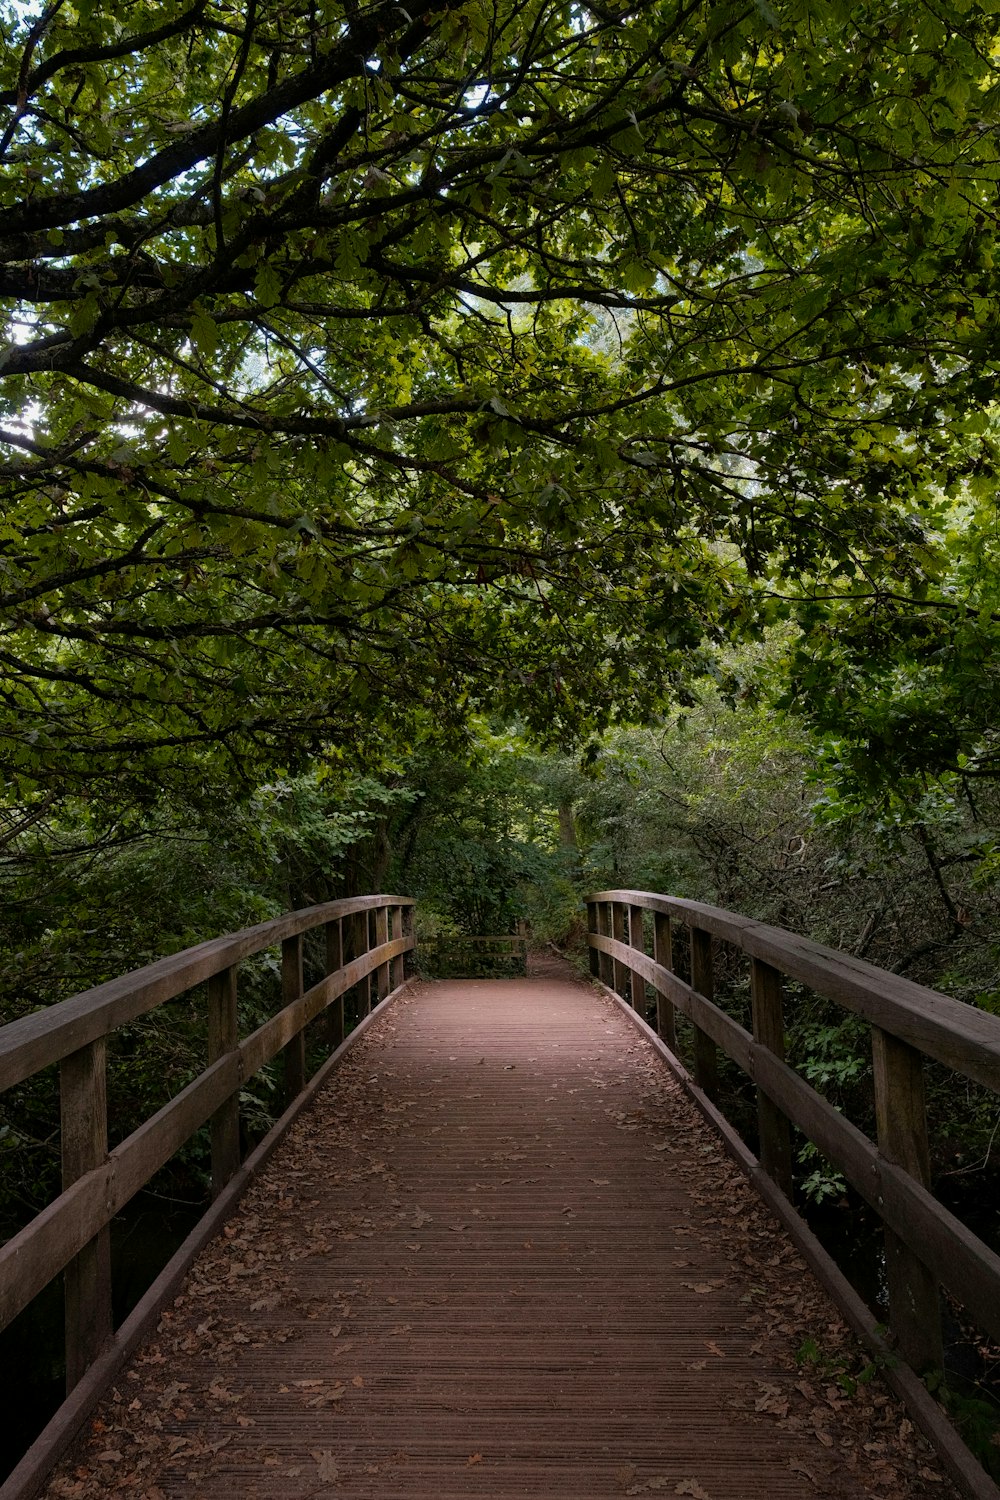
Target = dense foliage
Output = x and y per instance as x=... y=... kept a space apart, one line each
x=360 y=364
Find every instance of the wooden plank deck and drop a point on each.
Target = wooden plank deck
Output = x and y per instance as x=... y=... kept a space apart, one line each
x=501 y=1256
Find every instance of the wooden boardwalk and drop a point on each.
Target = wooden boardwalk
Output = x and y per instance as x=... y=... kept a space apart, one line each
x=500 y=1256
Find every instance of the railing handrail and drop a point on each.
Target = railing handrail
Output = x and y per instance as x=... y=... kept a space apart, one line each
x=950 y=1031
x=71 y=1233
x=47 y=1036
x=927 y=1246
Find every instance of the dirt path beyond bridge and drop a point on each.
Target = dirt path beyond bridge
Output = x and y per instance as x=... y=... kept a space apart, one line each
x=501 y=1255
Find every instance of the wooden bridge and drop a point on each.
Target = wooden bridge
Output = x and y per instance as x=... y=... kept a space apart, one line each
x=501 y=1243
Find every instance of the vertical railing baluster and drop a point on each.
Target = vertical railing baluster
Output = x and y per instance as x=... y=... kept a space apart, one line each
x=370 y=981
x=357 y=938
x=901 y=1116
x=706 y=1055
x=409 y=958
x=335 y=961
x=83 y=1101
x=223 y=1035
x=294 y=1052
x=604 y=928
x=637 y=941
x=382 y=985
x=395 y=933
x=593 y=926
x=769 y=1031
x=663 y=953
x=618 y=933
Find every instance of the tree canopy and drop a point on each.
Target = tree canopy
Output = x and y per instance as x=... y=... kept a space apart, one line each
x=363 y=367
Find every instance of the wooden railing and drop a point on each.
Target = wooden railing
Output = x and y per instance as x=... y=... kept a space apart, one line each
x=926 y=1246
x=366 y=939
x=472 y=955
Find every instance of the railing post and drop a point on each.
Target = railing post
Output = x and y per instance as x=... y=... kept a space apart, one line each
x=83 y=1103
x=382 y=980
x=395 y=932
x=335 y=961
x=637 y=941
x=370 y=981
x=618 y=933
x=359 y=947
x=663 y=954
x=294 y=1052
x=222 y=1038
x=769 y=1031
x=410 y=956
x=593 y=925
x=901 y=1116
x=706 y=1056
x=604 y=928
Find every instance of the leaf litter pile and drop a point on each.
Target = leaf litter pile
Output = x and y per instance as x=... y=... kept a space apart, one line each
x=500 y=1255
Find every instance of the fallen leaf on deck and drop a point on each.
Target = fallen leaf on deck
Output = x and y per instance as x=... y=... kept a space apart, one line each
x=692 y=1487
x=326 y=1464
x=474 y=1458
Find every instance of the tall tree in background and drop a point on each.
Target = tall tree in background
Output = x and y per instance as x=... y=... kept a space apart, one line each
x=362 y=366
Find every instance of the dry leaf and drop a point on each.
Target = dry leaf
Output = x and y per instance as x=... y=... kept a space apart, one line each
x=474 y=1458
x=326 y=1465
x=692 y=1487
x=358 y=1381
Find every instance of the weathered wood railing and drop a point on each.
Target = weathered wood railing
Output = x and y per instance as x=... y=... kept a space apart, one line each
x=926 y=1246
x=466 y=954
x=366 y=940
